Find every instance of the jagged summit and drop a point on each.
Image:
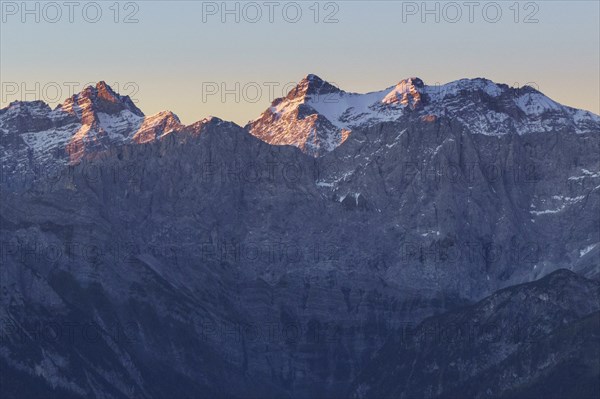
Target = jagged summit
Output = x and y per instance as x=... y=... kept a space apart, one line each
x=101 y=98
x=417 y=82
x=209 y=122
x=406 y=92
x=311 y=86
x=418 y=212
x=312 y=79
x=317 y=117
x=26 y=104
x=87 y=123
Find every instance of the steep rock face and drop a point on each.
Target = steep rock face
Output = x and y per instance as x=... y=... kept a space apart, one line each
x=505 y=205
x=154 y=127
x=205 y=235
x=207 y=260
x=99 y=99
x=317 y=117
x=35 y=137
x=535 y=340
x=292 y=120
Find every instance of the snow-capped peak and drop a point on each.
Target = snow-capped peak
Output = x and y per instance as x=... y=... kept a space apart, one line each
x=27 y=106
x=317 y=117
x=101 y=98
x=89 y=121
x=406 y=92
x=311 y=86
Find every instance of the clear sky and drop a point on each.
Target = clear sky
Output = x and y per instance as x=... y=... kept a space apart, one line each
x=179 y=55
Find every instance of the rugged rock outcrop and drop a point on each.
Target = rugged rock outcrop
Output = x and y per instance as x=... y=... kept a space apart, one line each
x=201 y=261
x=536 y=340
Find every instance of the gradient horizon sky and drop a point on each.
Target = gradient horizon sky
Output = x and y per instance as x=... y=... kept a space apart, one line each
x=171 y=54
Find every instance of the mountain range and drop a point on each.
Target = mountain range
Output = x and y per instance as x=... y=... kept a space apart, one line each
x=305 y=254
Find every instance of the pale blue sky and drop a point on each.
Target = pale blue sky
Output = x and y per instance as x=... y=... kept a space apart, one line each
x=171 y=53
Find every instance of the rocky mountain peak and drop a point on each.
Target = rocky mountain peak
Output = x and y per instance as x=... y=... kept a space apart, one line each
x=312 y=86
x=413 y=81
x=412 y=209
x=27 y=106
x=407 y=93
x=100 y=98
